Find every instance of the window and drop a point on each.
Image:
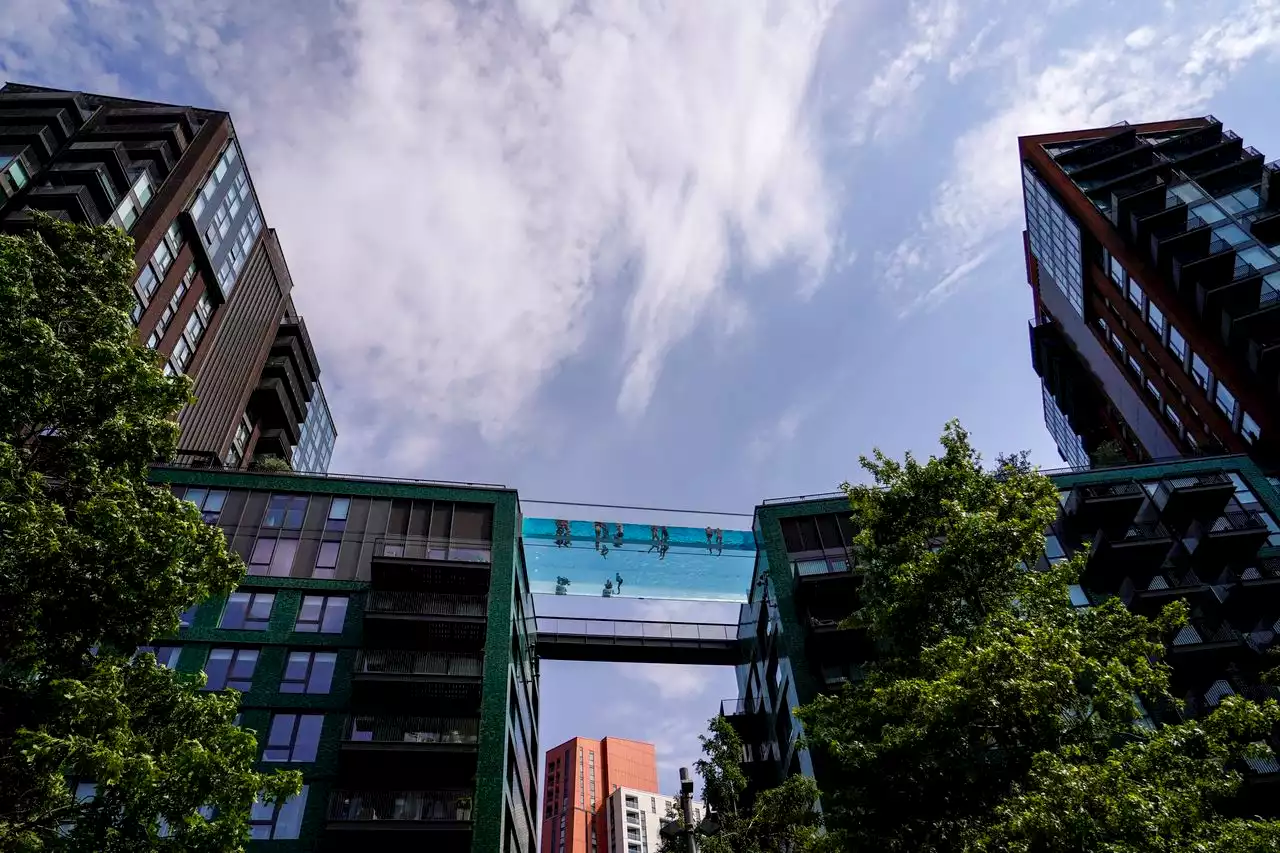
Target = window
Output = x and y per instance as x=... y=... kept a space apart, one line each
x=175 y=302
x=181 y=355
x=208 y=501
x=1055 y=239
x=1209 y=213
x=327 y=560
x=146 y=284
x=1200 y=371
x=1173 y=418
x=1177 y=345
x=338 y=509
x=273 y=557
x=286 y=511
x=244 y=430
x=1114 y=269
x=308 y=672
x=1226 y=400
x=1137 y=297
x=1249 y=428
x=322 y=614
x=293 y=737
x=1078 y=596
x=279 y=821
x=1232 y=235
x=250 y=611
x=188 y=617
x=166 y=656
x=1155 y=319
x=230 y=668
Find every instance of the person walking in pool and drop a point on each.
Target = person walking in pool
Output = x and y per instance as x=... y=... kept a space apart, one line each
x=654 y=539
x=600 y=533
x=618 y=577
x=608 y=588
x=618 y=536
x=710 y=550
x=719 y=541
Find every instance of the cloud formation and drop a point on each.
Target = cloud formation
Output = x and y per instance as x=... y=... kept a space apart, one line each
x=458 y=187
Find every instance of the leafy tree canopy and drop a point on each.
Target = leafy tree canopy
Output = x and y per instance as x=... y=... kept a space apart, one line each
x=94 y=562
x=997 y=717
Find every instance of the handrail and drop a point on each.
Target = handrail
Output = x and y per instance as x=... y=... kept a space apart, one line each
x=453 y=549
x=426 y=603
x=415 y=806
x=637 y=629
x=190 y=459
x=443 y=730
x=391 y=662
x=1249 y=519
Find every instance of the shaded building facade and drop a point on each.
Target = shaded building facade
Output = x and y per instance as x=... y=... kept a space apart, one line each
x=581 y=774
x=1153 y=255
x=382 y=641
x=212 y=296
x=1204 y=530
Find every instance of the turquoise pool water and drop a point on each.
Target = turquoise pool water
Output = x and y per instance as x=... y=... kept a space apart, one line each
x=571 y=557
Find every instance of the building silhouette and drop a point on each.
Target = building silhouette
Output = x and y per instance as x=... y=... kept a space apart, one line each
x=213 y=292
x=1153 y=254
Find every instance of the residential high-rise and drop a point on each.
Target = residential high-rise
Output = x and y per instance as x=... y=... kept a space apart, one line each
x=580 y=776
x=1153 y=253
x=634 y=817
x=383 y=644
x=213 y=289
x=1202 y=530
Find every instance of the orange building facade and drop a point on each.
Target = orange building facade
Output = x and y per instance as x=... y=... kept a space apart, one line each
x=580 y=775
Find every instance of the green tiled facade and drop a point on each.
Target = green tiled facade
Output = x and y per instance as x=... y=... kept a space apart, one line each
x=791 y=640
x=380 y=513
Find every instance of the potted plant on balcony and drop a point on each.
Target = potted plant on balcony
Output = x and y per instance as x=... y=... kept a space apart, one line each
x=464 y=808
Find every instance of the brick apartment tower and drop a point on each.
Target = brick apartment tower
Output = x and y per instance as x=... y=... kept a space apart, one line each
x=1153 y=253
x=580 y=775
x=212 y=294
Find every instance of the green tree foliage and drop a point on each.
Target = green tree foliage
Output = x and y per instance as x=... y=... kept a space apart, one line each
x=777 y=819
x=95 y=562
x=997 y=717
x=270 y=462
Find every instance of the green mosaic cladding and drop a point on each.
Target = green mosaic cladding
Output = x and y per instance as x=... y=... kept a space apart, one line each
x=274 y=644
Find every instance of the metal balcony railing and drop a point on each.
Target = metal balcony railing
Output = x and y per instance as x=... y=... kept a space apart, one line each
x=739 y=706
x=426 y=604
x=821 y=566
x=1110 y=490
x=632 y=629
x=1142 y=531
x=1239 y=521
x=1195 y=481
x=412 y=806
x=424 y=548
x=443 y=730
x=381 y=662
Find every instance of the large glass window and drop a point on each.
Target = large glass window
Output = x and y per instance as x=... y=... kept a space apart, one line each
x=293 y=737
x=230 y=668
x=273 y=557
x=308 y=672
x=322 y=614
x=249 y=611
x=1231 y=234
x=1249 y=428
x=286 y=511
x=1200 y=371
x=166 y=656
x=1208 y=213
x=1226 y=400
x=327 y=560
x=1177 y=344
x=1055 y=239
x=278 y=821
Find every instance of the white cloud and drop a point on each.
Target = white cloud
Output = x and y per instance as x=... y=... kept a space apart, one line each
x=456 y=187
x=671 y=681
x=1165 y=70
x=782 y=431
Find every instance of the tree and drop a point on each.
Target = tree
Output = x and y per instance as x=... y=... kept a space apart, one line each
x=270 y=462
x=1109 y=453
x=996 y=716
x=776 y=819
x=95 y=562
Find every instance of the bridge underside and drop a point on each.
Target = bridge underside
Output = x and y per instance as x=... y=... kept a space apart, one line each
x=623 y=641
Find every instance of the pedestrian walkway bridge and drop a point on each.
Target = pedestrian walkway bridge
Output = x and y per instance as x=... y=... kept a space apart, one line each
x=638 y=641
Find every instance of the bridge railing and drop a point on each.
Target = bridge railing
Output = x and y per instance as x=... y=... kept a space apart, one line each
x=637 y=629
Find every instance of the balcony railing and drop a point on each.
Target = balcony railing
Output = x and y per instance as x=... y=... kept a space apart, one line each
x=1196 y=481
x=426 y=604
x=821 y=566
x=1110 y=490
x=739 y=706
x=1238 y=522
x=1143 y=531
x=406 y=806
x=381 y=662
x=424 y=548
x=425 y=730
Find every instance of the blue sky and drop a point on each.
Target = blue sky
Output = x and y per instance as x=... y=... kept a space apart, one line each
x=675 y=254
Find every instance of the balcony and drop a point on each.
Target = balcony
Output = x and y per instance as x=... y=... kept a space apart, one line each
x=380 y=664
x=1201 y=647
x=1253 y=592
x=1182 y=500
x=1233 y=536
x=402 y=818
x=1104 y=506
x=398 y=750
x=747 y=717
x=412 y=620
x=422 y=563
x=1149 y=596
x=1139 y=548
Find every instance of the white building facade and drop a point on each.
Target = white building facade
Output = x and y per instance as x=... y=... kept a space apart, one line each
x=634 y=817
